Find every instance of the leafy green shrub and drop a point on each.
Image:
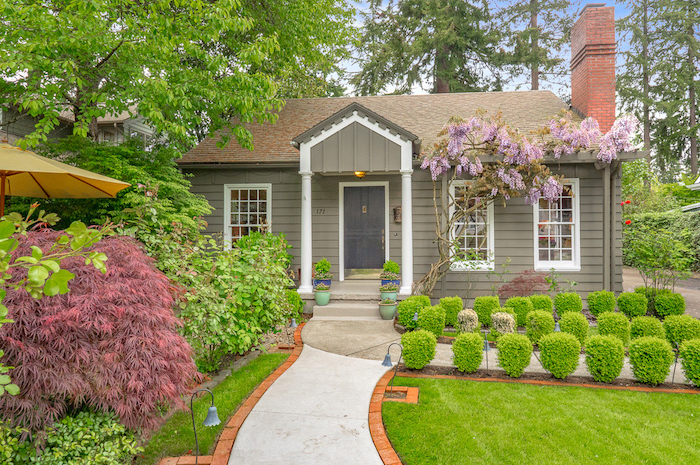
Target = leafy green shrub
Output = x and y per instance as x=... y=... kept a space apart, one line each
x=576 y=324
x=601 y=301
x=295 y=304
x=13 y=451
x=539 y=323
x=407 y=309
x=502 y=323
x=632 y=304
x=681 y=328
x=643 y=326
x=323 y=269
x=514 y=352
x=484 y=306
x=614 y=324
x=559 y=353
x=690 y=360
x=568 y=302
x=468 y=350
x=418 y=348
x=432 y=319
x=468 y=321
x=669 y=303
x=391 y=266
x=605 y=356
x=542 y=302
x=651 y=359
x=650 y=294
x=522 y=306
x=452 y=306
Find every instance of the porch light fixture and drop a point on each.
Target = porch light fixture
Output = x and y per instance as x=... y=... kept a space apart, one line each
x=360 y=174
x=387 y=362
x=212 y=419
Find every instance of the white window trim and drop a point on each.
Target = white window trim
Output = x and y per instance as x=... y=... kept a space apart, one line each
x=569 y=265
x=227 y=206
x=475 y=265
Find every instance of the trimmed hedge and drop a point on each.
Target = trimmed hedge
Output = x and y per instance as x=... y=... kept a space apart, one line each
x=468 y=321
x=690 y=360
x=452 y=306
x=408 y=307
x=539 y=323
x=418 y=348
x=468 y=352
x=521 y=306
x=576 y=324
x=559 y=354
x=633 y=304
x=669 y=303
x=502 y=323
x=651 y=359
x=542 y=302
x=605 y=356
x=514 y=352
x=568 y=302
x=643 y=326
x=432 y=319
x=600 y=302
x=484 y=306
x=681 y=328
x=614 y=324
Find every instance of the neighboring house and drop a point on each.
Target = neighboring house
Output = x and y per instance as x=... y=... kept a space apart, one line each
x=340 y=177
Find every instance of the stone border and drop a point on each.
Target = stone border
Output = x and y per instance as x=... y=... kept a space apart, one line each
x=224 y=444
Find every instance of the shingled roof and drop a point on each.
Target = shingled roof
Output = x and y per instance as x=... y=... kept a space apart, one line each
x=422 y=115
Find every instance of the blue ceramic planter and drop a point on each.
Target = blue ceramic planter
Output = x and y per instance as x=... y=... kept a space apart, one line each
x=327 y=282
x=391 y=281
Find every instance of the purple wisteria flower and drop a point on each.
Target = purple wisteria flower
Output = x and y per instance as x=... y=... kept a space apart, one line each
x=618 y=139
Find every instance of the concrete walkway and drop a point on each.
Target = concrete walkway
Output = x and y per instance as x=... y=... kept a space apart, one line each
x=315 y=413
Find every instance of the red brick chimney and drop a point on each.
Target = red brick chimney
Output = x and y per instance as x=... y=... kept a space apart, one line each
x=593 y=64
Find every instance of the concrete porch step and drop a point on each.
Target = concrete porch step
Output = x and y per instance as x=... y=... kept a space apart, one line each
x=348 y=310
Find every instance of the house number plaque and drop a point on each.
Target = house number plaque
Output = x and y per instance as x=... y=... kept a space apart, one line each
x=364 y=209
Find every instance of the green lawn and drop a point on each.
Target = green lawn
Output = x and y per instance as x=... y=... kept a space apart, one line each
x=176 y=436
x=459 y=421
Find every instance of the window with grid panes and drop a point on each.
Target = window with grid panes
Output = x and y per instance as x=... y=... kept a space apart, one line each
x=557 y=230
x=248 y=209
x=473 y=234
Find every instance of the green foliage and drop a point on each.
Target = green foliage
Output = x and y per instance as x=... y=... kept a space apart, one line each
x=681 y=328
x=391 y=266
x=567 y=302
x=669 y=303
x=690 y=360
x=605 y=356
x=484 y=306
x=651 y=359
x=468 y=321
x=452 y=306
x=522 y=306
x=576 y=324
x=502 y=322
x=614 y=324
x=601 y=301
x=468 y=350
x=632 y=304
x=294 y=303
x=539 y=323
x=643 y=326
x=323 y=269
x=418 y=348
x=13 y=451
x=407 y=309
x=559 y=353
x=642 y=187
x=514 y=352
x=542 y=302
x=432 y=319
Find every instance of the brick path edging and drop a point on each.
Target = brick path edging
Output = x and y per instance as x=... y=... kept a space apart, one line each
x=376 y=426
x=224 y=444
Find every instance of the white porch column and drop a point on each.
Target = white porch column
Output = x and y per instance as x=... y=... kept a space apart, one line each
x=406 y=233
x=306 y=284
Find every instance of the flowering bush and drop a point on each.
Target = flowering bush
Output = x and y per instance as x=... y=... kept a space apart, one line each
x=468 y=321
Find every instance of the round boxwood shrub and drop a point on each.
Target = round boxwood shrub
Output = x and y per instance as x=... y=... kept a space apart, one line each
x=539 y=323
x=651 y=359
x=468 y=321
x=614 y=324
x=646 y=326
x=418 y=348
x=452 y=306
x=514 y=352
x=669 y=303
x=502 y=323
x=681 y=328
x=522 y=306
x=576 y=324
x=632 y=304
x=542 y=302
x=568 y=302
x=432 y=319
x=408 y=307
x=468 y=351
x=601 y=301
x=605 y=356
x=484 y=306
x=690 y=360
x=559 y=353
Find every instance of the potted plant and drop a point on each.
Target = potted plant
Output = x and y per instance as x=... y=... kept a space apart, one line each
x=322 y=273
x=389 y=291
x=322 y=294
x=390 y=274
x=387 y=309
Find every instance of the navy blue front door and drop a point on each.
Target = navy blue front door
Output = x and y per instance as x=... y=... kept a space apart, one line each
x=364 y=227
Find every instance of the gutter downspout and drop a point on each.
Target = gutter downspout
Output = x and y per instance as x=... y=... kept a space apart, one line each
x=614 y=176
x=607 y=207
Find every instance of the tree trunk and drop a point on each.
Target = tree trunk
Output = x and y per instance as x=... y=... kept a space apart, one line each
x=691 y=98
x=645 y=78
x=535 y=66
x=442 y=85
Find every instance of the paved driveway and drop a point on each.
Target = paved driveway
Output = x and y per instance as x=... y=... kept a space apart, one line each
x=690 y=289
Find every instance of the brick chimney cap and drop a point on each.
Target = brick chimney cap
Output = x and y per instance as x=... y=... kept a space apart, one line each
x=592 y=5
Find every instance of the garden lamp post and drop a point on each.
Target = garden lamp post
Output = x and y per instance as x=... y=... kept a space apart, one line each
x=487 y=348
x=387 y=362
x=293 y=324
x=212 y=419
x=557 y=328
x=415 y=319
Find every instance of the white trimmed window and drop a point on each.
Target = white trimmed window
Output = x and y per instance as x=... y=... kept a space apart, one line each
x=473 y=233
x=247 y=208
x=557 y=231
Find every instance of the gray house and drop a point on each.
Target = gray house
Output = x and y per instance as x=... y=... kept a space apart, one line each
x=341 y=178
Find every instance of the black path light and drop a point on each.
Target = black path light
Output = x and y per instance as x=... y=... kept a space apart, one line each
x=557 y=328
x=415 y=319
x=387 y=362
x=675 y=364
x=487 y=347
x=212 y=419
x=293 y=324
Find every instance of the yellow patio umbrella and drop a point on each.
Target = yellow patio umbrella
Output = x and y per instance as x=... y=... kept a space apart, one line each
x=30 y=175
